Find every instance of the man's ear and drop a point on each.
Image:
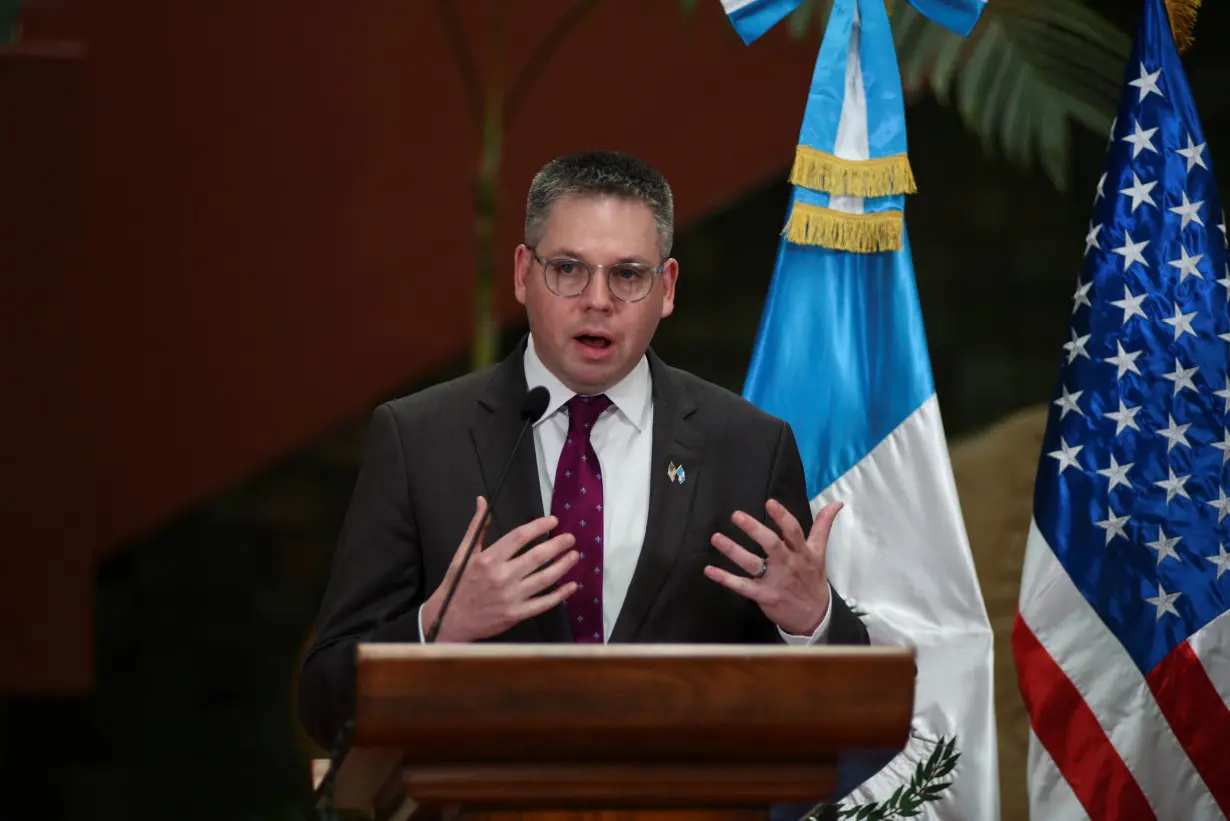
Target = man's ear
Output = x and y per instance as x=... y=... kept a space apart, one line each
x=670 y=277
x=523 y=260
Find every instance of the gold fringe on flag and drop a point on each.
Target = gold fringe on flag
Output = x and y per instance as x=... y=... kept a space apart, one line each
x=860 y=233
x=1182 y=21
x=880 y=177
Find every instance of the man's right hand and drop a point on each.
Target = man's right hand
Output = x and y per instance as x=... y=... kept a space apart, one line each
x=500 y=589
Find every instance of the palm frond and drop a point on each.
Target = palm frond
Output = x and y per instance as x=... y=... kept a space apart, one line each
x=1029 y=69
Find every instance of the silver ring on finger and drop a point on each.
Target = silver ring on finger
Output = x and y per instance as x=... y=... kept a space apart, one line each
x=764 y=568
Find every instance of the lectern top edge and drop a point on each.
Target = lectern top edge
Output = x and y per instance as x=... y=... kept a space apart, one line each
x=386 y=651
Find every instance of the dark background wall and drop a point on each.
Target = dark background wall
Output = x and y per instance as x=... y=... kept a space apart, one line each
x=232 y=226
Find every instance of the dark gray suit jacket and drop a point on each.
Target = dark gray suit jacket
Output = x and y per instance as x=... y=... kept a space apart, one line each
x=428 y=456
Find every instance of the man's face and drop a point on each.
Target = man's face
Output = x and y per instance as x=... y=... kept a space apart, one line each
x=593 y=340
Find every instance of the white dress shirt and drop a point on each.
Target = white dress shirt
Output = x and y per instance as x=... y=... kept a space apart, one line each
x=623 y=440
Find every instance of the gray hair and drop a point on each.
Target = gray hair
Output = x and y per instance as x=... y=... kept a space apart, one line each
x=600 y=173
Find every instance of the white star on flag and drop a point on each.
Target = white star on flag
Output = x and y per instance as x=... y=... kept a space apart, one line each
x=1222 y=560
x=1140 y=138
x=1192 y=154
x=1113 y=525
x=1124 y=418
x=1124 y=361
x=1131 y=251
x=1187 y=265
x=1091 y=239
x=1161 y=316
x=1225 y=394
x=1223 y=446
x=1174 y=434
x=1165 y=546
x=1147 y=83
x=1181 y=322
x=1066 y=455
x=1067 y=402
x=1221 y=504
x=1131 y=304
x=1164 y=602
x=1174 y=486
x=1116 y=473
x=1189 y=211
x=1076 y=347
x=1081 y=297
x=1225 y=282
x=1181 y=377
x=1139 y=192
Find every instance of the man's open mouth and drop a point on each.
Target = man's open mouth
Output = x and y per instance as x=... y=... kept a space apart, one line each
x=594 y=341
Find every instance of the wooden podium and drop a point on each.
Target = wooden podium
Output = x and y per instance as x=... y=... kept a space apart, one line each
x=616 y=732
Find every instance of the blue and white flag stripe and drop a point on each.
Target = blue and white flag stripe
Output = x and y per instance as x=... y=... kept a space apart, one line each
x=841 y=340
x=838 y=85
x=856 y=75
x=841 y=355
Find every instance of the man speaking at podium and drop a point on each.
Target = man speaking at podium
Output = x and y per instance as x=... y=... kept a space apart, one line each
x=647 y=505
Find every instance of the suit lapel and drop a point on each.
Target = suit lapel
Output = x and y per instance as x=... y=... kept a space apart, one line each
x=494 y=434
x=677 y=441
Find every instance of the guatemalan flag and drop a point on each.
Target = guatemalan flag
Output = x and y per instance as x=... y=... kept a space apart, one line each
x=1122 y=639
x=841 y=355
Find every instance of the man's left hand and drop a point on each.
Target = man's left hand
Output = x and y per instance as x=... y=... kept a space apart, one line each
x=793 y=591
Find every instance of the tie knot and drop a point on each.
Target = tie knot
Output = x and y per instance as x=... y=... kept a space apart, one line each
x=583 y=412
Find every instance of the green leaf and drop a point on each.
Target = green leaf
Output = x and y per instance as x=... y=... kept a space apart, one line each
x=800 y=17
x=1028 y=72
x=937 y=755
x=946 y=766
x=9 y=21
x=949 y=49
x=979 y=72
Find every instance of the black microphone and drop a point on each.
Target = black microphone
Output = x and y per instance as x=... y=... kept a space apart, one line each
x=532 y=408
x=322 y=796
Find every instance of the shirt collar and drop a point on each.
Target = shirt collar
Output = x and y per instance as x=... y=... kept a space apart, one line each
x=631 y=395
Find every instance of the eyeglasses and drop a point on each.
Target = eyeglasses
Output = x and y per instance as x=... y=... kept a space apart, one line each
x=627 y=281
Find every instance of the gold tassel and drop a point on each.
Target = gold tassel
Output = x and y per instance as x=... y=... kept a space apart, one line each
x=1182 y=15
x=880 y=177
x=860 y=233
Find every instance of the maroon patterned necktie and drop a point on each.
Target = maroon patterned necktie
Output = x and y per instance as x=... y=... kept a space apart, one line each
x=577 y=502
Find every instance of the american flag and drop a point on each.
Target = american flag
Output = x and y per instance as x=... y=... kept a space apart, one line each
x=1122 y=640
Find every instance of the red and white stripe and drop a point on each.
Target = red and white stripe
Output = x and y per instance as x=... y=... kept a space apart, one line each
x=1109 y=743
